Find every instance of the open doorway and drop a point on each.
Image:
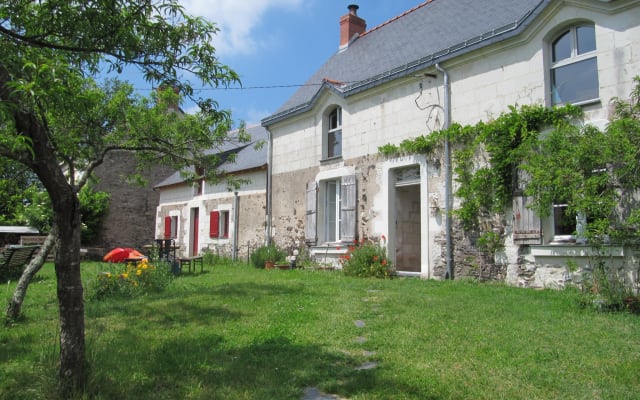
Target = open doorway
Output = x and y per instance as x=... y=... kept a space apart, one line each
x=408 y=240
x=407 y=217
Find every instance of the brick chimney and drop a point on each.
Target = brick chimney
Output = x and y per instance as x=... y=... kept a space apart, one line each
x=351 y=25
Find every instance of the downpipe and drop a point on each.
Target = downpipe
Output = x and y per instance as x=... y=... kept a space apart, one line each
x=447 y=173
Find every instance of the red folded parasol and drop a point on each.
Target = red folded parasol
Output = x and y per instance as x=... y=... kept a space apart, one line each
x=121 y=254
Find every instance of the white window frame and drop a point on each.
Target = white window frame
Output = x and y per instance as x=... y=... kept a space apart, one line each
x=174 y=226
x=224 y=224
x=333 y=131
x=573 y=59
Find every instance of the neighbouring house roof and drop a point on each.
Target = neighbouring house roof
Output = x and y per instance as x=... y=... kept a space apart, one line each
x=431 y=32
x=248 y=155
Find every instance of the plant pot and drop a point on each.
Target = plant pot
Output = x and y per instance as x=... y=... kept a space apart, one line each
x=269 y=265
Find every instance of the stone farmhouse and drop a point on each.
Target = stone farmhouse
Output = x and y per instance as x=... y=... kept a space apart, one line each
x=441 y=61
x=200 y=216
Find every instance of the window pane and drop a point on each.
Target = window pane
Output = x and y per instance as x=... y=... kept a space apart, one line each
x=586 y=39
x=335 y=119
x=334 y=140
x=563 y=222
x=575 y=82
x=562 y=47
x=331 y=210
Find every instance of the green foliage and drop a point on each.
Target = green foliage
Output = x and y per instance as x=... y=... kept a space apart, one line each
x=59 y=123
x=485 y=188
x=367 y=260
x=605 y=289
x=35 y=209
x=93 y=207
x=14 y=178
x=595 y=172
x=266 y=253
x=131 y=279
x=490 y=242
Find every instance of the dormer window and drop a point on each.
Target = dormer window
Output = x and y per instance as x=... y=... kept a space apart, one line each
x=334 y=134
x=574 y=67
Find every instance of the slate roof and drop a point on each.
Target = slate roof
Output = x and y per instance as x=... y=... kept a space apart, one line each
x=247 y=156
x=431 y=32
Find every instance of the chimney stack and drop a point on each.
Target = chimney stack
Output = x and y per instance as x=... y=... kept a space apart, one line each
x=351 y=25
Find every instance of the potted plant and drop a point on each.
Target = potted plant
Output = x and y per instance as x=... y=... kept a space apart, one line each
x=266 y=256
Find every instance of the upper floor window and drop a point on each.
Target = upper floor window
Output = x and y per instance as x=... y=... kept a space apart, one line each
x=334 y=134
x=574 y=68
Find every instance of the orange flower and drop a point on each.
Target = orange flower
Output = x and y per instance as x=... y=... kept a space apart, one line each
x=384 y=262
x=347 y=257
x=351 y=248
x=375 y=258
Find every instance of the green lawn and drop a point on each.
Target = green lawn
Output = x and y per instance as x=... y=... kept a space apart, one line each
x=235 y=332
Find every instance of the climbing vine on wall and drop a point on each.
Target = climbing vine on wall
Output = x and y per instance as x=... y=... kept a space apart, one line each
x=594 y=172
x=486 y=155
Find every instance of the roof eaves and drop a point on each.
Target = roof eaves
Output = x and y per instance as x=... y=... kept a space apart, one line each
x=493 y=36
x=490 y=37
x=328 y=84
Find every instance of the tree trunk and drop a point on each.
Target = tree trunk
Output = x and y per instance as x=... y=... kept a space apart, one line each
x=42 y=159
x=15 y=304
x=70 y=299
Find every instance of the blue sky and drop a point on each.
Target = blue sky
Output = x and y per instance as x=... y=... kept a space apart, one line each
x=276 y=43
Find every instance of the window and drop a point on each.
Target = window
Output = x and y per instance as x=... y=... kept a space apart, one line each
x=331 y=210
x=219 y=224
x=171 y=227
x=564 y=223
x=334 y=134
x=574 y=69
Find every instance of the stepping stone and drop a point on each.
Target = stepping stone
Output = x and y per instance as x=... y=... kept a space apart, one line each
x=367 y=365
x=359 y=323
x=315 y=394
x=361 y=339
x=368 y=353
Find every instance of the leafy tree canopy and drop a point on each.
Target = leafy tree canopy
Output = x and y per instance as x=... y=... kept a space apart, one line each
x=60 y=124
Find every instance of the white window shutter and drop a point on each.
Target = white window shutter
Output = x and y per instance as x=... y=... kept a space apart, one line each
x=348 y=195
x=526 y=224
x=310 y=218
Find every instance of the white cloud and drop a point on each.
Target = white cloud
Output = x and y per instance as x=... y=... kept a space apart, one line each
x=237 y=20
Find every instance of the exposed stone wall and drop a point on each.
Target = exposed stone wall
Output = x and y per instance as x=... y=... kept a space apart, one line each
x=250 y=225
x=131 y=217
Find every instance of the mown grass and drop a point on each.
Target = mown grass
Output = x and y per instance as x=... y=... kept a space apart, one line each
x=236 y=332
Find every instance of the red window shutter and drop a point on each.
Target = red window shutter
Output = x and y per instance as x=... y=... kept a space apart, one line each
x=167 y=227
x=214 y=224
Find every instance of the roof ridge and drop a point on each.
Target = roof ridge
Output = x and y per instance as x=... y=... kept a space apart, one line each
x=375 y=28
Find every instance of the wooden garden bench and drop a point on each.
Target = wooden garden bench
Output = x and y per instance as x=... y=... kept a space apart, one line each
x=14 y=258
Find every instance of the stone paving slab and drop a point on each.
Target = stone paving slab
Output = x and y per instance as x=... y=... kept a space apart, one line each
x=315 y=394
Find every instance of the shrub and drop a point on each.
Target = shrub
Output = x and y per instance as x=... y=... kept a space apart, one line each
x=367 y=260
x=266 y=253
x=605 y=290
x=132 y=279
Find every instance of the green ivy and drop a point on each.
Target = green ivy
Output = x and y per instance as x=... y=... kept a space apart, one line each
x=506 y=140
